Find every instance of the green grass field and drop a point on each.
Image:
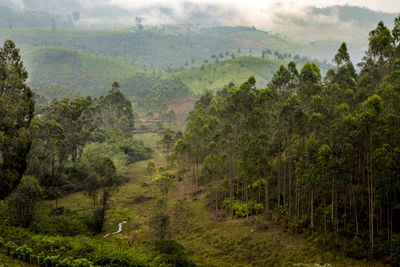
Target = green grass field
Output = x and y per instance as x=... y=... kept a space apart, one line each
x=208 y=242
x=218 y=74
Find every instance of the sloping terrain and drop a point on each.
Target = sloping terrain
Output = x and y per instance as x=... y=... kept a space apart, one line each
x=216 y=75
x=209 y=242
x=78 y=71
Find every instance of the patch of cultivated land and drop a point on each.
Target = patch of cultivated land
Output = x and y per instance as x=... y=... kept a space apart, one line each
x=208 y=242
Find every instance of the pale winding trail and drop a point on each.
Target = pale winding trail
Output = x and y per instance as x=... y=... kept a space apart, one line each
x=119 y=229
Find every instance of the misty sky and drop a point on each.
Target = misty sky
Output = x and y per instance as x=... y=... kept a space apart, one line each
x=274 y=15
x=381 y=5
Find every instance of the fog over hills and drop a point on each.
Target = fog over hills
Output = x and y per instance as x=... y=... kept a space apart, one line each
x=310 y=25
x=294 y=19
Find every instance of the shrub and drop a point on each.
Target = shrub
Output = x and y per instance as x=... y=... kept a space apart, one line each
x=394 y=257
x=23 y=201
x=182 y=217
x=85 y=251
x=58 y=222
x=240 y=208
x=173 y=253
x=160 y=224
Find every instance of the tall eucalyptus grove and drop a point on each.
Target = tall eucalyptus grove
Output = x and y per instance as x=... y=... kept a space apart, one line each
x=322 y=153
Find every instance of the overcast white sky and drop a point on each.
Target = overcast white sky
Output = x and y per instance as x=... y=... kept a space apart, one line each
x=392 y=6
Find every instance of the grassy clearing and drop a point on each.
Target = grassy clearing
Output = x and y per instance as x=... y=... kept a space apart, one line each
x=208 y=242
x=121 y=207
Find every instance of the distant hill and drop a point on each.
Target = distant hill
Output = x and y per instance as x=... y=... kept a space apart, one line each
x=160 y=47
x=216 y=75
x=61 y=72
x=22 y=18
x=83 y=73
x=362 y=17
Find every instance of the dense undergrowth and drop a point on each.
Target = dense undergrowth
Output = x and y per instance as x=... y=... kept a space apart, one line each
x=83 y=250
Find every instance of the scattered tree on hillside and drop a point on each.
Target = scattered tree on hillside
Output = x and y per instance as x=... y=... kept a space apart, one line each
x=22 y=202
x=101 y=181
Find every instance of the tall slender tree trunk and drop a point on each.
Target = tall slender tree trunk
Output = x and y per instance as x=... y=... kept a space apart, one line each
x=279 y=181
x=231 y=191
x=333 y=203
x=247 y=199
x=290 y=186
x=266 y=196
x=312 y=209
x=284 y=183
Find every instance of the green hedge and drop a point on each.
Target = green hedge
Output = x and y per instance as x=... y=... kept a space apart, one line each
x=26 y=254
x=75 y=251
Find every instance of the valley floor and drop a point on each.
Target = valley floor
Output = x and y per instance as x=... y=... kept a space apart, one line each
x=208 y=242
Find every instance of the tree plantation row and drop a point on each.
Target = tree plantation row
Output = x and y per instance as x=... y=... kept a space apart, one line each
x=321 y=156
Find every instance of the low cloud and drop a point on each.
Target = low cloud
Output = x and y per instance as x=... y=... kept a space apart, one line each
x=293 y=19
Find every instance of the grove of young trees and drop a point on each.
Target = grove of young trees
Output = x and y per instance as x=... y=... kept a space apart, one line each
x=70 y=145
x=321 y=155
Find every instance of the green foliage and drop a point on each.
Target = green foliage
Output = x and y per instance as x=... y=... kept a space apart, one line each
x=60 y=221
x=160 y=224
x=182 y=217
x=240 y=209
x=115 y=110
x=230 y=70
x=76 y=251
x=165 y=182
x=167 y=142
x=154 y=46
x=160 y=95
x=82 y=73
x=22 y=202
x=123 y=150
x=16 y=113
x=394 y=256
x=173 y=253
x=26 y=254
x=151 y=167
x=316 y=145
x=67 y=132
x=101 y=180
x=312 y=265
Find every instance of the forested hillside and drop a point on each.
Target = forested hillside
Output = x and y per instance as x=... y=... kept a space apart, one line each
x=162 y=46
x=13 y=18
x=319 y=155
x=82 y=73
x=184 y=145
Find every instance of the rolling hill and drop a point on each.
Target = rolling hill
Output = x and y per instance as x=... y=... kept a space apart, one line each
x=156 y=46
x=16 y=18
x=215 y=75
x=87 y=74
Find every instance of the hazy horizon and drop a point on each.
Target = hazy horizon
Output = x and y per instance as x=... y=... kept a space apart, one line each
x=265 y=15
